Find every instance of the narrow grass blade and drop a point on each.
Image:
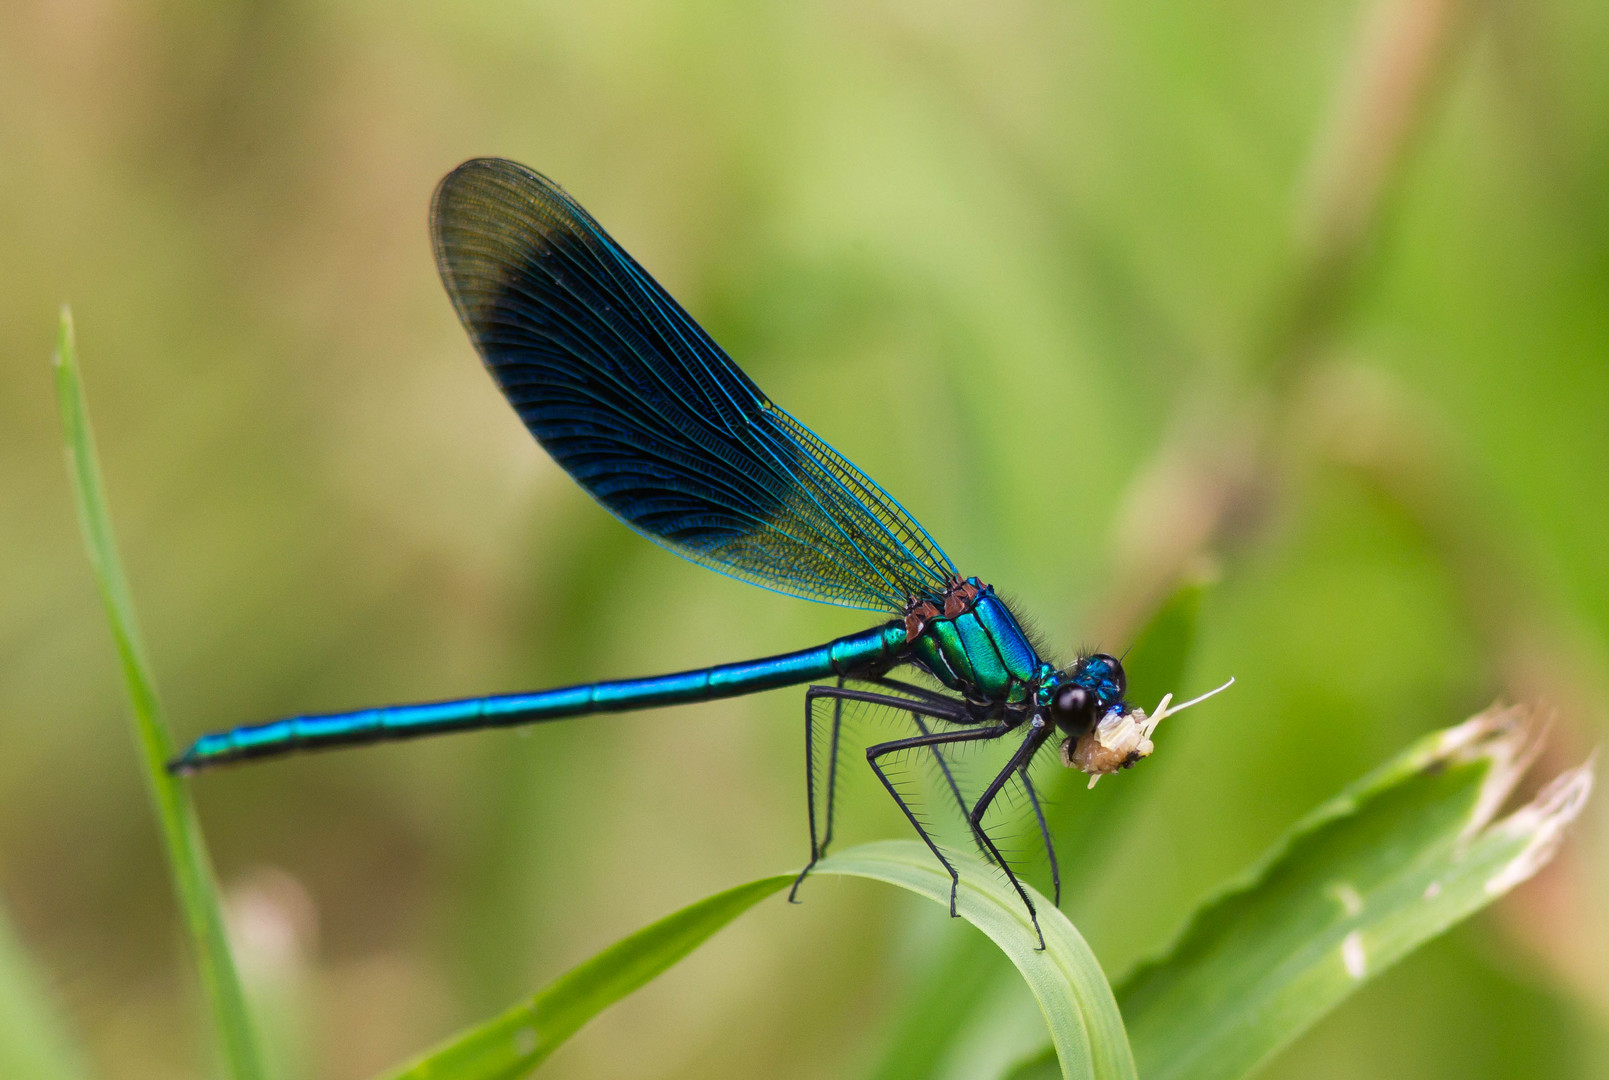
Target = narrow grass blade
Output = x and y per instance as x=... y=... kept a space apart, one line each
x=1072 y=991
x=181 y=834
x=511 y=1045
x=33 y=1040
x=1394 y=860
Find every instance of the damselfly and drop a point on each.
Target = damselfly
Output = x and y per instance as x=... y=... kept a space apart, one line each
x=653 y=419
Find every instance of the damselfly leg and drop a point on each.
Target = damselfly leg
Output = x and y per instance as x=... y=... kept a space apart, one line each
x=944 y=710
x=1044 y=834
x=1038 y=731
x=818 y=845
x=958 y=712
x=940 y=707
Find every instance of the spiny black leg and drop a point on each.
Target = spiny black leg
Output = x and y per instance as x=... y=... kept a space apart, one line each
x=944 y=766
x=875 y=752
x=1044 y=832
x=1037 y=735
x=933 y=697
x=939 y=708
x=819 y=848
x=832 y=768
x=839 y=696
x=922 y=693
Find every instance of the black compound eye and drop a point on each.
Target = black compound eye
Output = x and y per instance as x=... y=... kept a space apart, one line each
x=1075 y=710
x=1114 y=672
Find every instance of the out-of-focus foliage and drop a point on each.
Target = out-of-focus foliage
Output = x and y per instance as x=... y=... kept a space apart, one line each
x=32 y=1040
x=1004 y=257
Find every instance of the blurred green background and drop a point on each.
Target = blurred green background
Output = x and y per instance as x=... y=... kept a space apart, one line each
x=1317 y=289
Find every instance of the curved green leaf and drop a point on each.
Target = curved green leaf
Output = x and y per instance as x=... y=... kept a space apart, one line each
x=1065 y=977
x=1394 y=860
x=1073 y=993
x=1391 y=862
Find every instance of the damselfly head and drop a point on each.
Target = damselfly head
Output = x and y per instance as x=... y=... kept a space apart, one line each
x=1087 y=691
x=1121 y=737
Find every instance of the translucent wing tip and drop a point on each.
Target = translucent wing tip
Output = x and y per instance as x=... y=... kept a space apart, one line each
x=489 y=218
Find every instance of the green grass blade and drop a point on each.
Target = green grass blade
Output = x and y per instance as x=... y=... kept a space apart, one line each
x=1072 y=991
x=511 y=1045
x=181 y=834
x=1393 y=861
x=1073 y=994
x=33 y=1040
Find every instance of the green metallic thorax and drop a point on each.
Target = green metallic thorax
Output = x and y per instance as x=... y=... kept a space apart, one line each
x=980 y=652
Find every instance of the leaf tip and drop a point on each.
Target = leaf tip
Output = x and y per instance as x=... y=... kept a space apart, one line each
x=1509 y=737
x=1542 y=823
x=65 y=345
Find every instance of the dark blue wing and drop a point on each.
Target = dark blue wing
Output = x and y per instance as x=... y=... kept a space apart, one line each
x=649 y=415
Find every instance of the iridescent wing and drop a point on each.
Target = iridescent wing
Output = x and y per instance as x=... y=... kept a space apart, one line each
x=647 y=413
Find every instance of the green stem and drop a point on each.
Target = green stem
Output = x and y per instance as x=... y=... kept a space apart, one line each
x=193 y=878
